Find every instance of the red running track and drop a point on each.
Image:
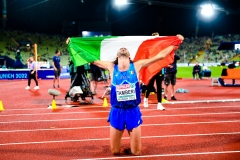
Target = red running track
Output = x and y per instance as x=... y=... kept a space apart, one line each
x=207 y=127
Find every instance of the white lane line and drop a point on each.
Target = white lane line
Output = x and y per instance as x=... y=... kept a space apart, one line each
x=152 y=116
x=107 y=139
x=165 y=155
x=93 y=106
x=84 y=112
x=101 y=127
x=203 y=101
x=62 y=113
x=60 y=107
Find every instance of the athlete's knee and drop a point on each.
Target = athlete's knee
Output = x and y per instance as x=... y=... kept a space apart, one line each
x=115 y=151
x=136 y=151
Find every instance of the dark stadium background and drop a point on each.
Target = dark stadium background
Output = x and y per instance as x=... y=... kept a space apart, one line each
x=140 y=17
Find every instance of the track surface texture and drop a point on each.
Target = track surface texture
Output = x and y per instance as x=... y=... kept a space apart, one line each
x=201 y=124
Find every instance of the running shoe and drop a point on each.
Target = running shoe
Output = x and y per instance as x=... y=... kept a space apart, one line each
x=145 y=102
x=37 y=87
x=173 y=98
x=165 y=97
x=160 y=107
x=28 y=87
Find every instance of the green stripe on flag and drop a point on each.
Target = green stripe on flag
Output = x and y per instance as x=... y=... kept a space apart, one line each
x=84 y=50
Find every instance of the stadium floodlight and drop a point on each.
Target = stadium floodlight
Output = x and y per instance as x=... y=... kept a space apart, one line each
x=85 y=33
x=121 y=2
x=207 y=10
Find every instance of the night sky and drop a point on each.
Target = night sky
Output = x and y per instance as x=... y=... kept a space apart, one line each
x=137 y=18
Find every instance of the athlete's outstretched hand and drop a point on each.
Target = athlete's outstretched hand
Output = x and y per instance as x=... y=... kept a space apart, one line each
x=180 y=37
x=68 y=40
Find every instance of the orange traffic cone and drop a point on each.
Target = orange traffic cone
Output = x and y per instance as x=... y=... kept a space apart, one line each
x=1 y=106
x=105 y=103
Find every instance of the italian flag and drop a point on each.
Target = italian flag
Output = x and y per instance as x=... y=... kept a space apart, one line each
x=85 y=50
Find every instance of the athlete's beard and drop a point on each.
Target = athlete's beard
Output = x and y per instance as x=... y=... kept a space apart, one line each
x=123 y=54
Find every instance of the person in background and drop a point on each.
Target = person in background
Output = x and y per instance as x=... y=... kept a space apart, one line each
x=170 y=77
x=56 y=63
x=197 y=70
x=232 y=66
x=94 y=75
x=72 y=70
x=32 y=73
x=18 y=63
x=158 y=78
x=4 y=66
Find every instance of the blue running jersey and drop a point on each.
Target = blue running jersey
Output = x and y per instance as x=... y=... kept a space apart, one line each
x=56 y=60
x=125 y=90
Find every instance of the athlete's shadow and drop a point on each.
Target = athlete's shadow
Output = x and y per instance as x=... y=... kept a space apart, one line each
x=35 y=92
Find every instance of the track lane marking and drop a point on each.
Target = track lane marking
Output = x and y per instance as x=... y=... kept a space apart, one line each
x=203 y=101
x=169 y=103
x=94 y=127
x=152 y=116
x=165 y=155
x=84 y=112
x=104 y=139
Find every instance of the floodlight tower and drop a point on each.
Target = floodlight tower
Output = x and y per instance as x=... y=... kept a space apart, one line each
x=118 y=3
x=121 y=2
x=207 y=10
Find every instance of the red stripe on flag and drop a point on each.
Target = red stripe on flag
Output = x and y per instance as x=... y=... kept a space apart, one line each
x=150 y=48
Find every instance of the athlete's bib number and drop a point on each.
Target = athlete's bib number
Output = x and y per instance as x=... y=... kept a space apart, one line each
x=126 y=92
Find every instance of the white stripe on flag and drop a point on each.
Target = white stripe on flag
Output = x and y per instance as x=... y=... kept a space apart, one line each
x=110 y=47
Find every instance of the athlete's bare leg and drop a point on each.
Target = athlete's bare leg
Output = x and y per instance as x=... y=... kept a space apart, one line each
x=115 y=140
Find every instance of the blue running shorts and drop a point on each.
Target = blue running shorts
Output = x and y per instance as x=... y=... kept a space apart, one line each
x=121 y=118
